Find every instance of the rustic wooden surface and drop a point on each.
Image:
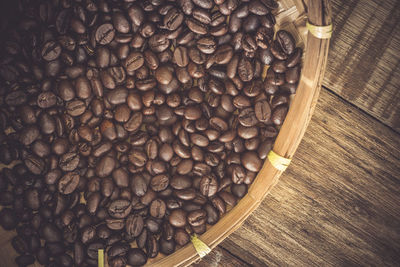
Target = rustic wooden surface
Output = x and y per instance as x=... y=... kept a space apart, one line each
x=364 y=59
x=338 y=204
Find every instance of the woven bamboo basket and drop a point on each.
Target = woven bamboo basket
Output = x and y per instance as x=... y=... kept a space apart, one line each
x=292 y=16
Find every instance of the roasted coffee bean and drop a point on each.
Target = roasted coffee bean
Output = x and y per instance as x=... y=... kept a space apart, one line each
x=134 y=61
x=157 y=208
x=245 y=70
x=51 y=51
x=136 y=257
x=76 y=108
x=105 y=166
x=69 y=161
x=159 y=182
x=68 y=183
x=134 y=225
x=286 y=41
x=120 y=208
x=181 y=237
x=197 y=217
x=262 y=111
x=105 y=33
x=208 y=186
x=177 y=218
x=279 y=114
x=247 y=117
x=50 y=233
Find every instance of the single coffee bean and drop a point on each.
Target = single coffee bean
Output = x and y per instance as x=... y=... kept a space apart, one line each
x=51 y=51
x=68 y=183
x=134 y=225
x=120 y=208
x=177 y=218
x=105 y=33
x=105 y=166
x=197 y=217
x=208 y=186
x=262 y=111
x=136 y=257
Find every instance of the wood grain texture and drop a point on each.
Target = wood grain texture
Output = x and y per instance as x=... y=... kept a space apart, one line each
x=220 y=257
x=337 y=203
x=364 y=58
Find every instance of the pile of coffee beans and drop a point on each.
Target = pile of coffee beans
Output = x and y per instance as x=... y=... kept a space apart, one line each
x=130 y=125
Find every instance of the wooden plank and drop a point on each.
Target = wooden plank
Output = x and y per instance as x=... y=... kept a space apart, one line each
x=220 y=257
x=338 y=202
x=364 y=59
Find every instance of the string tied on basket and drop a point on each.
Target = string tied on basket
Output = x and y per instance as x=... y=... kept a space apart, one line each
x=321 y=32
x=100 y=258
x=201 y=247
x=280 y=163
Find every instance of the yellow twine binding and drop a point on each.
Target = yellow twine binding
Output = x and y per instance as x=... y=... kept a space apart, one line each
x=321 y=32
x=100 y=258
x=280 y=163
x=201 y=248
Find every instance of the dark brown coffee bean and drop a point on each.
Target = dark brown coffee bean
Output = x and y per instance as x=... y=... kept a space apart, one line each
x=181 y=56
x=69 y=161
x=159 y=182
x=181 y=237
x=28 y=135
x=247 y=117
x=292 y=75
x=157 y=208
x=105 y=34
x=134 y=225
x=262 y=111
x=68 y=183
x=279 y=114
x=46 y=100
x=120 y=22
x=120 y=208
x=212 y=214
x=177 y=218
x=137 y=157
x=173 y=19
x=136 y=257
x=294 y=58
x=51 y=51
x=251 y=161
x=134 y=123
x=199 y=140
x=245 y=70
x=115 y=224
x=134 y=61
x=286 y=41
x=159 y=43
x=136 y=15
x=208 y=186
x=105 y=166
x=197 y=217
x=164 y=75
x=192 y=112
x=219 y=204
x=50 y=233
x=196 y=26
x=76 y=108
x=138 y=185
x=206 y=4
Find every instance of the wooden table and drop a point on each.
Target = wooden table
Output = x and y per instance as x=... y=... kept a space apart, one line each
x=338 y=203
